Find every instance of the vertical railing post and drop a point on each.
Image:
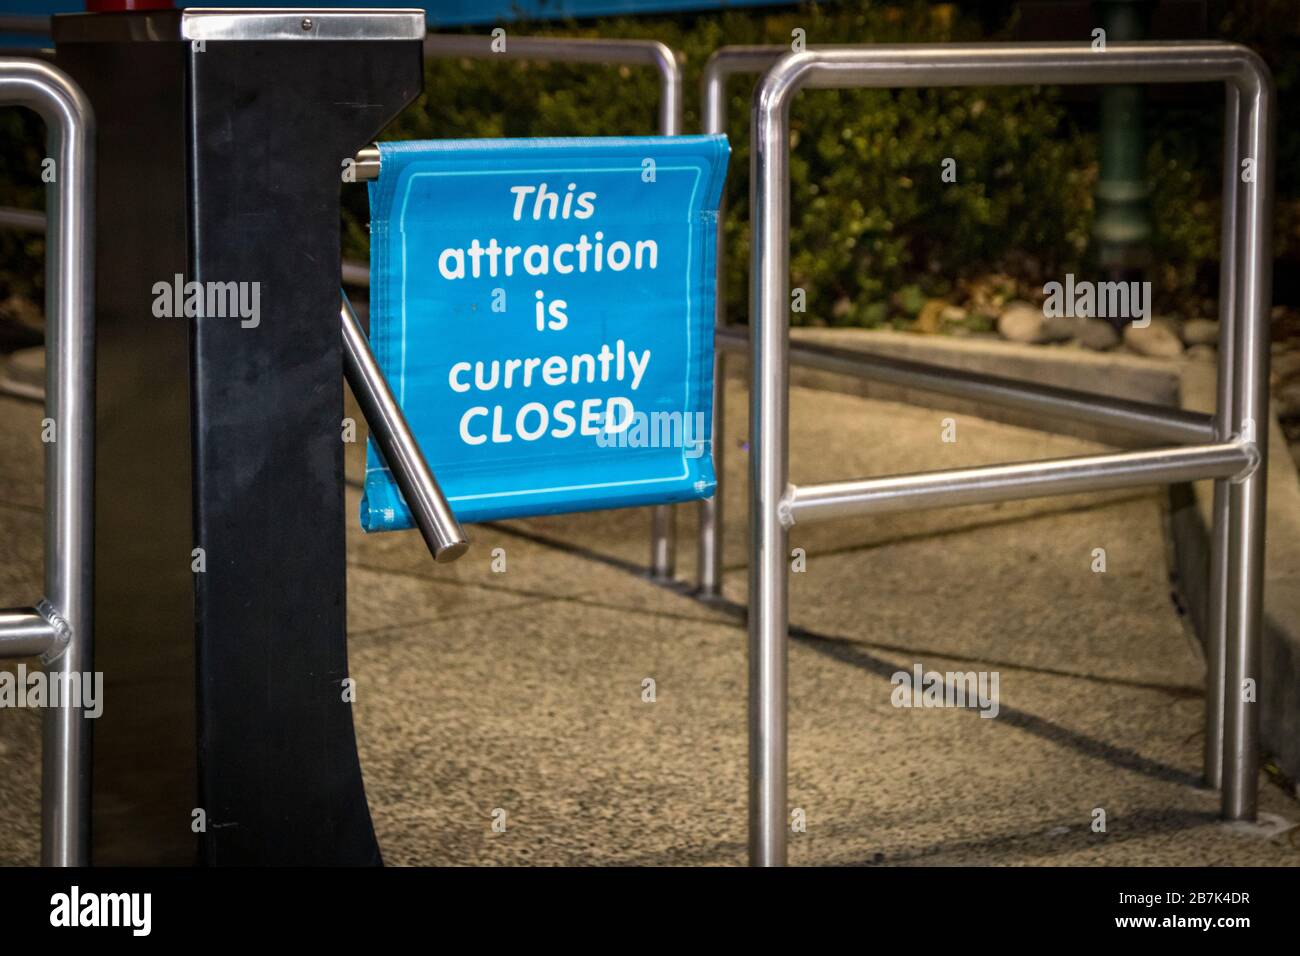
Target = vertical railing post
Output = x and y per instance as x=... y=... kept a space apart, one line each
x=69 y=450
x=768 y=464
x=69 y=470
x=708 y=572
x=1246 y=497
x=713 y=119
x=1216 y=622
x=663 y=518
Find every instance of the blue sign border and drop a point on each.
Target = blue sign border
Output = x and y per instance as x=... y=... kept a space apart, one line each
x=404 y=163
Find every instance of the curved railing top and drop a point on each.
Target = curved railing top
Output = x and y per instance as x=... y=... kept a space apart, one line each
x=577 y=50
x=1006 y=64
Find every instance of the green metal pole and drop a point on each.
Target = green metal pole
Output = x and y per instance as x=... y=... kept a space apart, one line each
x=1121 y=229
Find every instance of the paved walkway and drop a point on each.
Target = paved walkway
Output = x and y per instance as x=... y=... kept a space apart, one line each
x=522 y=691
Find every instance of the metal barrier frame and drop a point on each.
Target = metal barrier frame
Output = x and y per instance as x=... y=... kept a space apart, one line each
x=59 y=628
x=1234 y=456
x=1140 y=419
x=724 y=63
x=653 y=53
x=663 y=519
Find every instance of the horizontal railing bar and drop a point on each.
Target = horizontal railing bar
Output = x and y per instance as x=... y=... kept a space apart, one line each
x=25 y=220
x=356 y=273
x=903 y=65
x=568 y=49
x=1032 y=479
x=577 y=50
x=1158 y=422
x=744 y=58
x=24 y=632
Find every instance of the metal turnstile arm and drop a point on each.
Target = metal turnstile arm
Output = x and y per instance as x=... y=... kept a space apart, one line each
x=433 y=516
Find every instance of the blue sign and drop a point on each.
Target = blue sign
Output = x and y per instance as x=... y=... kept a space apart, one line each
x=543 y=310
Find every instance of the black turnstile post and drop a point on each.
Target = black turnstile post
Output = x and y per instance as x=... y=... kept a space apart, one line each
x=226 y=737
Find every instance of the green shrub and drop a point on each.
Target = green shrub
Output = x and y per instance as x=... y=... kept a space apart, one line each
x=874 y=230
x=869 y=211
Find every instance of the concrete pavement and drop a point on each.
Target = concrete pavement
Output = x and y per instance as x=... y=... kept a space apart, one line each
x=524 y=691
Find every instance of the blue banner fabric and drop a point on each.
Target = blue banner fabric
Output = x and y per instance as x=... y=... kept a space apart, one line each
x=543 y=310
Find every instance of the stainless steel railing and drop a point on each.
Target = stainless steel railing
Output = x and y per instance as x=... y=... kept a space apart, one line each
x=1155 y=422
x=59 y=628
x=723 y=64
x=1228 y=447
x=1235 y=457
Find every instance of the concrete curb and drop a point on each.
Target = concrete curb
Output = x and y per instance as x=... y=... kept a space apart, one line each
x=22 y=374
x=1126 y=376
x=1181 y=382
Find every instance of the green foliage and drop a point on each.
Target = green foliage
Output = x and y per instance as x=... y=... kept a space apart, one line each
x=870 y=213
x=1185 y=208
x=22 y=254
x=875 y=231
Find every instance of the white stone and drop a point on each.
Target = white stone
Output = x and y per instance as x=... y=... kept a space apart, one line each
x=1157 y=340
x=1021 y=322
x=1201 y=332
